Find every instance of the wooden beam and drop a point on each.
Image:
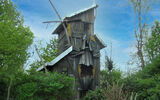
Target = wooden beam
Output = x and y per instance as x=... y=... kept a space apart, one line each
x=52 y=22
x=61 y=22
x=58 y=21
x=41 y=58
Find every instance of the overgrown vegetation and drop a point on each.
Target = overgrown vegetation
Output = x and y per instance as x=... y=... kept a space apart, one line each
x=14 y=42
x=152 y=46
x=142 y=85
x=145 y=83
x=111 y=87
x=36 y=86
x=48 y=53
x=15 y=84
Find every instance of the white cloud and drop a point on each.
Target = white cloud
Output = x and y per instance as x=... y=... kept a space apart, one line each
x=129 y=50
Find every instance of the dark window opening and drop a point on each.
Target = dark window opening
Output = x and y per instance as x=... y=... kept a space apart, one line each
x=86 y=45
x=86 y=70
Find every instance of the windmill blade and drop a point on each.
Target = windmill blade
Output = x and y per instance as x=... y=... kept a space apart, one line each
x=61 y=22
x=58 y=21
x=55 y=10
x=52 y=22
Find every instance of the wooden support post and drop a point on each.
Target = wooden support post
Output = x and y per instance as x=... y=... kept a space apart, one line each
x=41 y=58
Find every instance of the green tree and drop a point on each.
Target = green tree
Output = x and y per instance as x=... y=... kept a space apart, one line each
x=42 y=86
x=141 y=8
x=50 y=51
x=14 y=42
x=47 y=53
x=108 y=63
x=145 y=83
x=35 y=85
x=152 y=46
x=14 y=37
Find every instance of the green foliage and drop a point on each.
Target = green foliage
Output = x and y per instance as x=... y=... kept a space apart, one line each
x=111 y=77
x=152 y=46
x=15 y=40
x=14 y=37
x=48 y=53
x=51 y=50
x=7 y=77
x=146 y=83
x=111 y=85
x=95 y=95
x=115 y=92
x=38 y=86
x=143 y=85
x=108 y=63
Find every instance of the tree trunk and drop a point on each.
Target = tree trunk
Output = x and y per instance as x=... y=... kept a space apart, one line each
x=140 y=46
x=9 y=89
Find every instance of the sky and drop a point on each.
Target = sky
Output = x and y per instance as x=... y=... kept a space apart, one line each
x=114 y=24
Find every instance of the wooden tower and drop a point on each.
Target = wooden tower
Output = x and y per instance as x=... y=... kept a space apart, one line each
x=80 y=58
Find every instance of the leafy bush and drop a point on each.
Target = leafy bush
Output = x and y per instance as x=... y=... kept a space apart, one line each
x=111 y=87
x=146 y=83
x=46 y=86
x=94 y=95
x=110 y=77
x=37 y=86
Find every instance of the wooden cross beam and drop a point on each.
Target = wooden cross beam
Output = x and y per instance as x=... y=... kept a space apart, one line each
x=58 y=21
x=52 y=22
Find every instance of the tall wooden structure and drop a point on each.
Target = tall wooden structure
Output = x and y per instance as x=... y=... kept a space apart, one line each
x=80 y=58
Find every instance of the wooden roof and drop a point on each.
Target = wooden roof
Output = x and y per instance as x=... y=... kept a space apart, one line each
x=103 y=45
x=60 y=26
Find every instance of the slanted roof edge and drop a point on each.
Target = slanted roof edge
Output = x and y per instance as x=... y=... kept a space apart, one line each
x=74 y=14
x=84 y=10
x=57 y=59
x=98 y=37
